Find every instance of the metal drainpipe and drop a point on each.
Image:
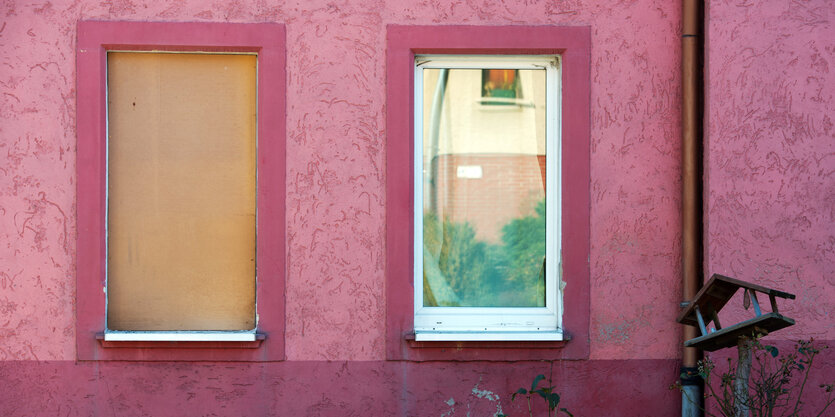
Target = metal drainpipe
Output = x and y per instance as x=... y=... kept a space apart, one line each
x=691 y=190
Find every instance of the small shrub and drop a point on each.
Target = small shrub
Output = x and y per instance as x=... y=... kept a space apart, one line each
x=546 y=393
x=776 y=385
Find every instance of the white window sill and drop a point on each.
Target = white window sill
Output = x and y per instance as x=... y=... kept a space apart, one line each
x=248 y=336
x=436 y=336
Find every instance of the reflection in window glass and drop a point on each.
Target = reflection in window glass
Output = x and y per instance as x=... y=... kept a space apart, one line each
x=484 y=161
x=500 y=84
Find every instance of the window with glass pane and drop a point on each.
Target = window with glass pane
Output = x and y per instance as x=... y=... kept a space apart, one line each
x=487 y=197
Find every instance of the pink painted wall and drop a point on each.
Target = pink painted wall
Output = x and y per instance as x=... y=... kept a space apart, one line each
x=336 y=206
x=770 y=153
x=770 y=163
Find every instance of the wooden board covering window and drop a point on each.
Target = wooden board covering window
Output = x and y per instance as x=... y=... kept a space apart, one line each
x=181 y=191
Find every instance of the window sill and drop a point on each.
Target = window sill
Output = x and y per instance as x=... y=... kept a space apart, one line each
x=167 y=340
x=521 y=336
x=249 y=336
x=443 y=347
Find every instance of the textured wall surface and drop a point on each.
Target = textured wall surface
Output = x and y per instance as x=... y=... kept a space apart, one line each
x=770 y=164
x=770 y=153
x=335 y=147
x=335 y=207
x=356 y=388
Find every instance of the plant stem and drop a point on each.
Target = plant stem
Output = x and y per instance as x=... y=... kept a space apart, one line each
x=803 y=385
x=828 y=403
x=743 y=373
x=550 y=384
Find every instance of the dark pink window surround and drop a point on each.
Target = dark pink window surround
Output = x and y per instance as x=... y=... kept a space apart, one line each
x=573 y=44
x=94 y=40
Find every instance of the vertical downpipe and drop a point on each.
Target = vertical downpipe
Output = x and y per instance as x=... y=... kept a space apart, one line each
x=691 y=198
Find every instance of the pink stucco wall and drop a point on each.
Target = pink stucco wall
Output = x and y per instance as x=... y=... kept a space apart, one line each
x=770 y=153
x=767 y=127
x=770 y=161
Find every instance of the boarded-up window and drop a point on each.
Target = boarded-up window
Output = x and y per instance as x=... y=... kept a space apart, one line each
x=181 y=191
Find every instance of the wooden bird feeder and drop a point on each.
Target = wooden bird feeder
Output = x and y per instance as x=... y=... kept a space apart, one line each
x=713 y=296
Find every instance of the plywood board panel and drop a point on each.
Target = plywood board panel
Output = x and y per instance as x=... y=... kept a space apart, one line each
x=181 y=191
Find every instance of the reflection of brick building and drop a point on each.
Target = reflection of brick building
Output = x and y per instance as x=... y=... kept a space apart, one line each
x=488 y=190
x=490 y=163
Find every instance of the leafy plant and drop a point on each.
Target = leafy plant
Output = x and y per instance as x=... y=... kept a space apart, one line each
x=776 y=385
x=546 y=393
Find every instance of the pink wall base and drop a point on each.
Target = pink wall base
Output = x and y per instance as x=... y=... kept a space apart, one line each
x=304 y=388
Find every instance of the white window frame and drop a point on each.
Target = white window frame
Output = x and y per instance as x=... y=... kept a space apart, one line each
x=494 y=323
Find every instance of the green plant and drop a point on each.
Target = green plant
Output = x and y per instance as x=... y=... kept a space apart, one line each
x=775 y=387
x=546 y=393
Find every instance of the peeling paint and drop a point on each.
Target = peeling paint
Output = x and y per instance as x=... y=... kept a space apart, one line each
x=490 y=396
x=485 y=394
x=616 y=332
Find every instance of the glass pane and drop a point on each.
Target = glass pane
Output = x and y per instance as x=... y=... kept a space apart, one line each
x=484 y=187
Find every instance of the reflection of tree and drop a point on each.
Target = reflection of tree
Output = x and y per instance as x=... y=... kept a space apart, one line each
x=524 y=245
x=461 y=259
x=481 y=274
